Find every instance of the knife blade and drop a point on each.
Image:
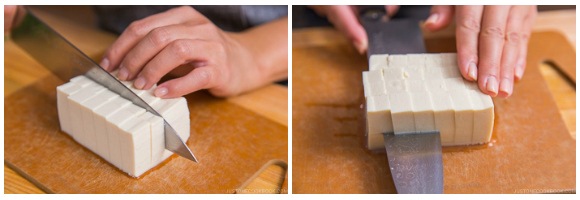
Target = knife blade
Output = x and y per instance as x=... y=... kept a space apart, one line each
x=415 y=159
x=66 y=61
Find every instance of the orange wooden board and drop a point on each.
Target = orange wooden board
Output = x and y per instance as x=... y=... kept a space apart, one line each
x=232 y=143
x=531 y=152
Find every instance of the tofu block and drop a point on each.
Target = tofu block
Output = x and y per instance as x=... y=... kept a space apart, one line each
x=122 y=133
x=426 y=92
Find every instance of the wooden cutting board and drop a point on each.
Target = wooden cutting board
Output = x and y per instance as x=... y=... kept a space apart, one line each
x=232 y=138
x=531 y=150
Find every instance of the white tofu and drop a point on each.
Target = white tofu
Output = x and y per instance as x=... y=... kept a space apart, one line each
x=482 y=118
x=423 y=111
x=395 y=86
x=373 y=80
x=416 y=86
x=392 y=73
x=103 y=127
x=413 y=73
x=402 y=113
x=120 y=132
x=463 y=117
x=88 y=108
x=377 y=62
x=76 y=109
x=455 y=84
x=416 y=60
x=397 y=61
x=444 y=114
x=426 y=92
x=379 y=115
x=63 y=92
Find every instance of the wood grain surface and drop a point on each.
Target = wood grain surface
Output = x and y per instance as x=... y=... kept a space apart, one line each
x=530 y=138
x=229 y=159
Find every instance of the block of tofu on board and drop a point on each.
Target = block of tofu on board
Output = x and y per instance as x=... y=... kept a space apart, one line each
x=422 y=93
x=122 y=133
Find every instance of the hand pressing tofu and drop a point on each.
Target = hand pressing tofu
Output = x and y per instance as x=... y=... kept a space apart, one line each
x=202 y=56
x=492 y=41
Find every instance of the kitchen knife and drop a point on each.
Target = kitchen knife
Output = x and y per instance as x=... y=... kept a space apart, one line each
x=66 y=61
x=414 y=158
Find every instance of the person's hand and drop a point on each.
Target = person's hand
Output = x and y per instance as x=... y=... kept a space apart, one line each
x=345 y=19
x=492 y=42
x=9 y=15
x=183 y=38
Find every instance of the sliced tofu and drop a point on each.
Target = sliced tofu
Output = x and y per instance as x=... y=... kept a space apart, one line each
x=463 y=117
x=422 y=111
x=374 y=82
x=122 y=133
x=377 y=62
x=379 y=115
x=427 y=92
x=444 y=114
x=402 y=113
x=63 y=92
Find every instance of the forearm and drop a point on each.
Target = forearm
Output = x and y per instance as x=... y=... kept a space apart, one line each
x=268 y=44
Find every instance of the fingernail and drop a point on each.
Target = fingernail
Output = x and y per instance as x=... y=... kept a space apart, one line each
x=432 y=19
x=472 y=71
x=105 y=64
x=519 y=70
x=123 y=74
x=161 y=91
x=506 y=87
x=491 y=85
x=139 y=83
x=360 y=46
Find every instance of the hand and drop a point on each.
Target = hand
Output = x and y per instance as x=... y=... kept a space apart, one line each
x=345 y=19
x=492 y=42
x=183 y=38
x=10 y=12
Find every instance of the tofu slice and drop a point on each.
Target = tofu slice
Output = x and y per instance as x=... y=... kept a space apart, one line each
x=96 y=141
x=444 y=114
x=463 y=117
x=373 y=80
x=63 y=92
x=482 y=118
x=402 y=113
x=76 y=109
x=103 y=128
x=378 y=120
x=377 y=62
x=423 y=111
x=395 y=86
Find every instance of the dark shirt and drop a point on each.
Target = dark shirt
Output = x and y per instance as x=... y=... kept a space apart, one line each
x=228 y=18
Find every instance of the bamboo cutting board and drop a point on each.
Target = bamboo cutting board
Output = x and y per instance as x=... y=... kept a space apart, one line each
x=531 y=150
x=232 y=138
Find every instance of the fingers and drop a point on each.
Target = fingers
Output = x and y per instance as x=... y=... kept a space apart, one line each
x=440 y=17
x=491 y=40
x=199 y=78
x=468 y=22
x=139 y=29
x=178 y=52
x=345 y=20
x=523 y=48
x=151 y=45
x=511 y=48
x=392 y=10
x=9 y=13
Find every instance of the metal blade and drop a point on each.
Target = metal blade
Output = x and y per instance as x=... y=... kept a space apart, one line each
x=66 y=61
x=415 y=161
x=414 y=158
